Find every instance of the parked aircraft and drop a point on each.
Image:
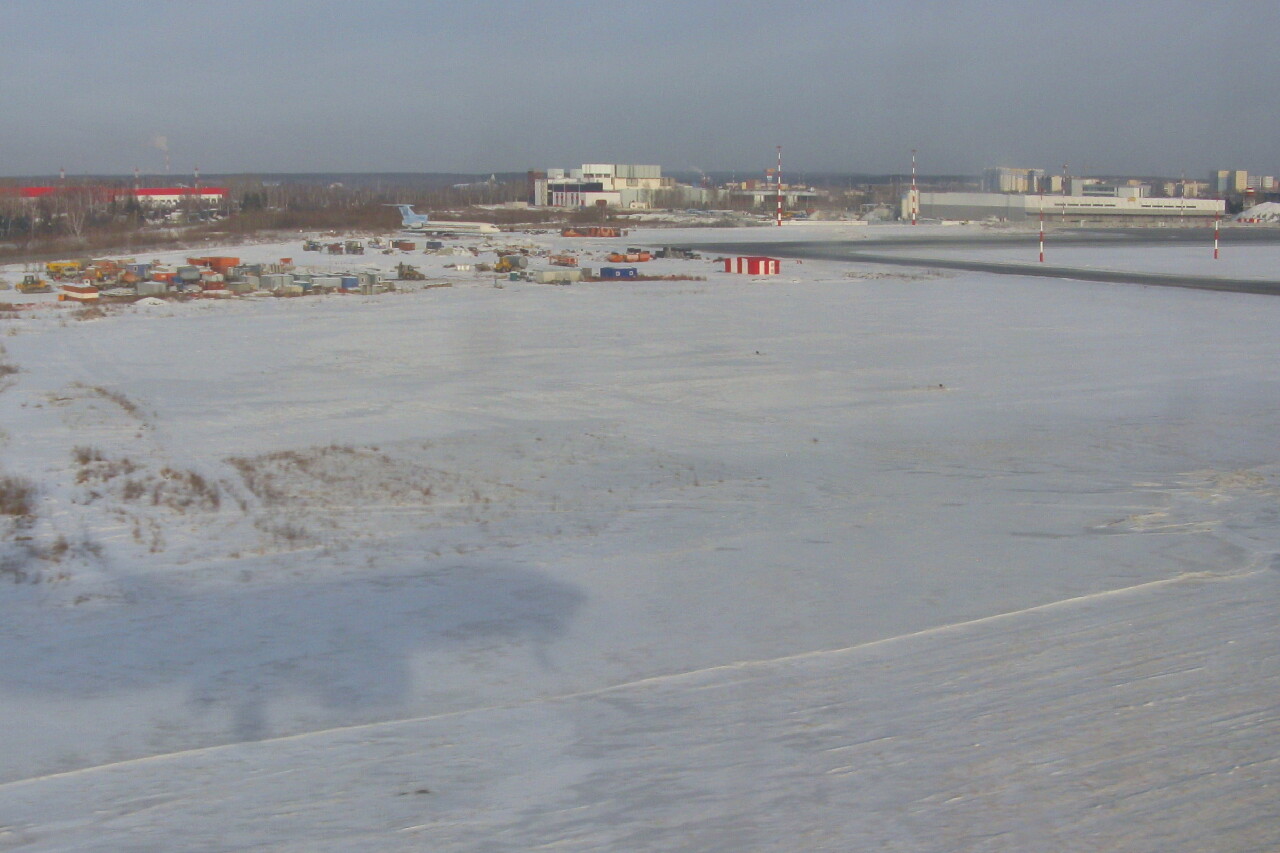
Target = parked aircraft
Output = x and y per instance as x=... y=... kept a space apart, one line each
x=421 y=223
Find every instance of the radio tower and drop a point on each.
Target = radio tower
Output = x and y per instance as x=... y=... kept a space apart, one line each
x=778 y=179
x=913 y=186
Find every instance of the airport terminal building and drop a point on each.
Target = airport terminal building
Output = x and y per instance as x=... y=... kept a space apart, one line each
x=1010 y=207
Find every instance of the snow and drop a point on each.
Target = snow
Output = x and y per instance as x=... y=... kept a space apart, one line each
x=1267 y=211
x=813 y=562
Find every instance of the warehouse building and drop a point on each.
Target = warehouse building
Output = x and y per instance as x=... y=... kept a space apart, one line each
x=765 y=194
x=607 y=185
x=1075 y=208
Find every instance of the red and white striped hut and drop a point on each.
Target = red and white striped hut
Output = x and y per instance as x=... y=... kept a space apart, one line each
x=753 y=265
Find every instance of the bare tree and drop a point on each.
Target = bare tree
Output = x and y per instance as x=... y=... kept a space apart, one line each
x=74 y=205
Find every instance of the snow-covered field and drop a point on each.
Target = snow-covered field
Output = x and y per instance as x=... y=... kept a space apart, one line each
x=845 y=560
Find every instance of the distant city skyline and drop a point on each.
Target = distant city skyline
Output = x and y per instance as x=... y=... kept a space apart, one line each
x=294 y=86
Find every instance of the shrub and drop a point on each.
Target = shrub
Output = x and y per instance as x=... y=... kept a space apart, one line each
x=17 y=496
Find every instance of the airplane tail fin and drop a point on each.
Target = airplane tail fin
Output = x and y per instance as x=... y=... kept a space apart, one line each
x=408 y=217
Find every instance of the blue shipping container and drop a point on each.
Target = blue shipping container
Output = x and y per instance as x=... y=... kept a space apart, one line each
x=619 y=272
x=350 y=282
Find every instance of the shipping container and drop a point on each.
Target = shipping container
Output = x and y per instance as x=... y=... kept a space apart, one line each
x=619 y=272
x=557 y=275
x=274 y=281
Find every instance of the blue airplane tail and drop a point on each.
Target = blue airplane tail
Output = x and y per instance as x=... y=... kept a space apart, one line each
x=408 y=217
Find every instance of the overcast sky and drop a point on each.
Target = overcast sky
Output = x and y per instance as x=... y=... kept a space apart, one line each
x=1112 y=86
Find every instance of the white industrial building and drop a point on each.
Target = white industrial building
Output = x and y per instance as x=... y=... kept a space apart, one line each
x=766 y=195
x=1024 y=208
x=607 y=185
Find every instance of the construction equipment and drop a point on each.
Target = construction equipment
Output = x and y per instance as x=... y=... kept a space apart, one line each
x=408 y=272
x=32 y=283
x=564 y=260
x=312 y=246
x=354 y=247
x=631 y=256
x=593 y=231
x=58 y=269
x=511 y=263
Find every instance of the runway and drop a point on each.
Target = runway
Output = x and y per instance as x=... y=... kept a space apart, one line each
x=878 y=251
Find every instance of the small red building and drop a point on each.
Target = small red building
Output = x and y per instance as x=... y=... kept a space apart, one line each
x=753 y=265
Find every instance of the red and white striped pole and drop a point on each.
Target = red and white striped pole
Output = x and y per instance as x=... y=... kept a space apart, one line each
x=1216 y=221
x=778 y=181
x=1042 y=226
x=913 y=186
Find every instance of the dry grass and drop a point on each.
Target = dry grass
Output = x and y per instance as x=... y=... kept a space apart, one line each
x=34 y=562
x=184 y=490
x=84 y=454
x=17 y=496
x=116 y=397
x=177 y=489
x=94 y=467
x=263 y=475
x=288 y=535
x=6 y=369
x=91 y=312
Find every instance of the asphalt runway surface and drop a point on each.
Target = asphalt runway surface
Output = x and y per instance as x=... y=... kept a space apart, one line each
x=877 y=251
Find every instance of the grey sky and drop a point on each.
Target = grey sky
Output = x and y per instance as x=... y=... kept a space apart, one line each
x=1146 y=86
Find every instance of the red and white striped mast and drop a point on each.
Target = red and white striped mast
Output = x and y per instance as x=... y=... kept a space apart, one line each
x=914 y=203
x=777 y=177
x=1217 y=220
x=1042 y=223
